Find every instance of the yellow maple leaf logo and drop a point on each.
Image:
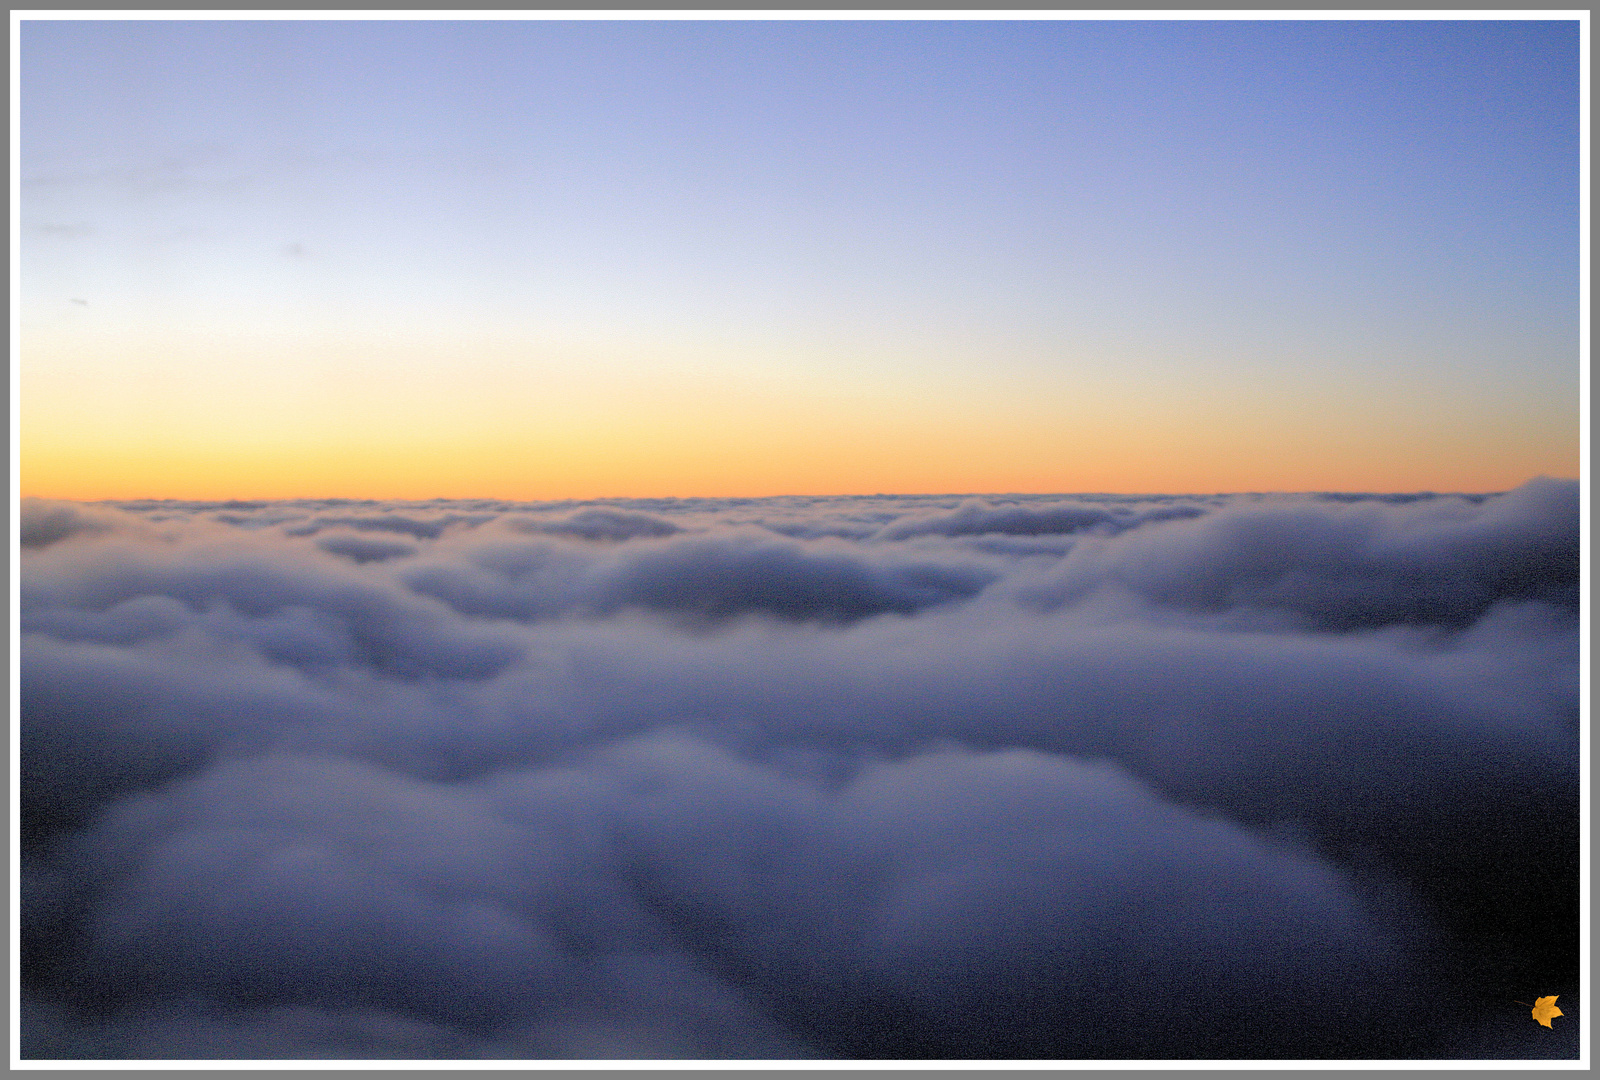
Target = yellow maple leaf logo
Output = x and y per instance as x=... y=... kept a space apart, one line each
x=1544 y=1009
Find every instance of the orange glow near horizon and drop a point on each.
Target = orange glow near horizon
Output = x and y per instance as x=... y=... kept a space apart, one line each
x=784 y=460
x=134 y=417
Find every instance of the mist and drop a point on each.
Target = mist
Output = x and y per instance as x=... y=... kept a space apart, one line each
x=980 y=777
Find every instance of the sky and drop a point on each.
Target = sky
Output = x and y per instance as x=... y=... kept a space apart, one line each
x=549 y=260
x=1038 y=778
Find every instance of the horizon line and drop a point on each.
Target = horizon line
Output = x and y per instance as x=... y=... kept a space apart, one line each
x=245 y=501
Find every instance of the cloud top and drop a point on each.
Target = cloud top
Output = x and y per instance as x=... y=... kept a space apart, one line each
x=1017 y=777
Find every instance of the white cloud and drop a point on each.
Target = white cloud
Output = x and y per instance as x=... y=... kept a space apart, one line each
x=859 y=777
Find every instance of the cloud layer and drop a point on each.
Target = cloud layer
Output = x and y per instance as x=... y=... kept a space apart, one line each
x=1009 y=777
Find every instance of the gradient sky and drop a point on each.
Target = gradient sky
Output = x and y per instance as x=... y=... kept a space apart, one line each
x=590 y=259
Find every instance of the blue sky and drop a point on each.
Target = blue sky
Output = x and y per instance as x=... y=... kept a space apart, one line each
x=1186 y=222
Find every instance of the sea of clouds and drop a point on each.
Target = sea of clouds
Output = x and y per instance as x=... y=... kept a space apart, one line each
x=1248 y=776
